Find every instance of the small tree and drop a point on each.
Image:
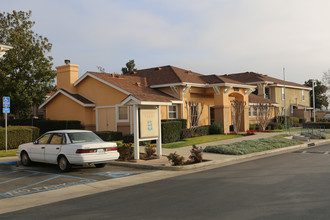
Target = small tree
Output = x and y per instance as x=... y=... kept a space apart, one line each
x=194 y=114
x=278 y=113
x=320 y=90
x=130 y=67
x=263 y=115
x=237 y=110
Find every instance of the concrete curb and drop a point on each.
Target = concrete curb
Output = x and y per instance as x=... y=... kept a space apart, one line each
x=240 y=158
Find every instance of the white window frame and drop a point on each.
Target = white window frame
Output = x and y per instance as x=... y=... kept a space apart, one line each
x=176 y=111
x=117 y=113
x=303 y=95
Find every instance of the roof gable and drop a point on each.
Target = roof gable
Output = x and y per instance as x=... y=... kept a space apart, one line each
x=75 y=97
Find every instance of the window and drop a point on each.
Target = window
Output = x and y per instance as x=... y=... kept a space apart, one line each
x=303 y=95
x=44 y=139
x=57 y=139
x=254 y=112
x=212 y=119
x=236 y=89
x=122 y=113
x=172 y=111
x=267 y=93
x=283 y=93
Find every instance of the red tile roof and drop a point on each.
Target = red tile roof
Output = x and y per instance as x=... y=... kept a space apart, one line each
x=135 y=85
x=259 y=99
x=78 y=97
x=251 y=77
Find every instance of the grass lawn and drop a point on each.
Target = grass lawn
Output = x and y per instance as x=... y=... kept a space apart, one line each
x=9 y=153
x=199 y=140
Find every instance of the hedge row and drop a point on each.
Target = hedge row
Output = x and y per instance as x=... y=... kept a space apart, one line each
x=171 y=131
x=325 y=125
x=110 y=135
x=45 y=125
x=17 y=135
x=182 y=121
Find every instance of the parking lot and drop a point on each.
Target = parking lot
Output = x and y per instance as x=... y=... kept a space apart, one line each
x=17 y=180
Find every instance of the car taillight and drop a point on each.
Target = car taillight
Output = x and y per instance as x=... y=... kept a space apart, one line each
x=82 y=151
x=111 y=148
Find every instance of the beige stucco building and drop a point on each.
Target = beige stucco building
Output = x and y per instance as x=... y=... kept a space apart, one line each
x=100 y=100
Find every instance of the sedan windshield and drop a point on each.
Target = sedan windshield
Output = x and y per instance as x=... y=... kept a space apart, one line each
x=81 y=137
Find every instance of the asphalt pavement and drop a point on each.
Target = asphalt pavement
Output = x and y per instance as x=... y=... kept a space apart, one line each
x=293 y=185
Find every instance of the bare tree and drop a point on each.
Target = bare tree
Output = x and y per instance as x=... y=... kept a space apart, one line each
x=237 y=110
x=194 y=114
x=263 y=115
x=278 y=113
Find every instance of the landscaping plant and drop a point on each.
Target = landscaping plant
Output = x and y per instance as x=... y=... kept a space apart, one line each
x=196 y=154
x=176 y=159
x=150 y=150
x=125 y=151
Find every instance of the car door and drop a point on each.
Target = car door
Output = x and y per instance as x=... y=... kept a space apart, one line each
x=54 y=147
x=37 y=151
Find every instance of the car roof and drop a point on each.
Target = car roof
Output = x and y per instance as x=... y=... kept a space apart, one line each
x=67 y=131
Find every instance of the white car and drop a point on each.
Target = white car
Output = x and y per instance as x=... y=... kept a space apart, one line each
x=68 y=147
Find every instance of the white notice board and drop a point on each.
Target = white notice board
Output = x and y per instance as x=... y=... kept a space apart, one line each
x=148 y=123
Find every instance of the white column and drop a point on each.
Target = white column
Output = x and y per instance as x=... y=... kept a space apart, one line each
x=136 y=133
x=159 y=140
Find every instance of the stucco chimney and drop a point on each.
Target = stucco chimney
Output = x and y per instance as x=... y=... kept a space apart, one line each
x=67 y=75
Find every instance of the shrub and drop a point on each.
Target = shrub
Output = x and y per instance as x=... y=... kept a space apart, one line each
x=176 y=159
x=128 y=138
x=150 y=150
x=325 y=125
x=251 y=146
x=171 y=131
x=202 y=131
x=183 y=122
x=196 y=154
x=302 y=120
x=17 y=135
x=125 y=151
x=110 y=135
x=254 y=127
x=216 y=128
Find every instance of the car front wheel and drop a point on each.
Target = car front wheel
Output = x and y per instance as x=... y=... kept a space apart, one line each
x=25 y=159
x=64 y=164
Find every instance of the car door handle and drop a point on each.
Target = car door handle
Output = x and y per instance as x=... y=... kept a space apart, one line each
x=57 y=148
x=42 y=147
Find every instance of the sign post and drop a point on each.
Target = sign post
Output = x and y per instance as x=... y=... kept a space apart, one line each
x=6 y=110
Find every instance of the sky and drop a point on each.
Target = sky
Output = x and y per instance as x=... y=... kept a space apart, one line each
x=208 y=37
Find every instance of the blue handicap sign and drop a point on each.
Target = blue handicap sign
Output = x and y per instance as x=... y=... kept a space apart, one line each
x=6 y=102
x=6 y=110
